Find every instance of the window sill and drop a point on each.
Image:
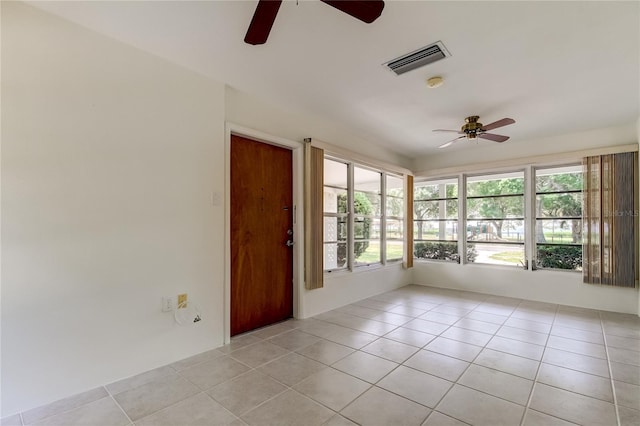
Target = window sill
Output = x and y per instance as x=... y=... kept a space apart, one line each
x=557 y=270
x=363 y=268
x=478 y=265
x=451 y=262
x=488 y=265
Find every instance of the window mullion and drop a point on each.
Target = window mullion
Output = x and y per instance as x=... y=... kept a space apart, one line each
x=383 y=218
x=529 y=216
x=351 y=210
x=462 y=218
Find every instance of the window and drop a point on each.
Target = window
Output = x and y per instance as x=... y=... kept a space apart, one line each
x=558 y=227
x=576 y=216
x=367 y=203
x=495 y=218
x=363 y=216
x=394 y=218
x=435 y=220
x=336 y=214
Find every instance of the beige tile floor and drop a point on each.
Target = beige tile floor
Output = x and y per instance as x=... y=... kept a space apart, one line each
x=414 y=356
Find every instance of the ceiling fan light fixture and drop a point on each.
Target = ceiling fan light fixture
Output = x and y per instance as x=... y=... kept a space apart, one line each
x=435 y=82
x=473 y=129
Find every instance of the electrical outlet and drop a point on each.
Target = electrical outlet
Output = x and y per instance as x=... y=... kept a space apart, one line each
x=182 y=300
x=167 y=304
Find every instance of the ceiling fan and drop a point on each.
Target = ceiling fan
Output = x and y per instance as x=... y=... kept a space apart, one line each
x=473 y=129
x=266 y=11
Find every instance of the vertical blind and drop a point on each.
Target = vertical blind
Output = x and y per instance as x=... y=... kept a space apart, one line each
x=409 y=215
x=610 y=220
x=313 y=217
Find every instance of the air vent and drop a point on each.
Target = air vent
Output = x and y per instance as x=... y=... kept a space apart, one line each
x=421 y=57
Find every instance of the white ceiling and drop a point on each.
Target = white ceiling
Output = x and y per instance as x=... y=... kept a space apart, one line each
x=554 y=67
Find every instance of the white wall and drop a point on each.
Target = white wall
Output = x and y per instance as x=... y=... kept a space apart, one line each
x=347 y=287
x=110 y=157
x=547 y=286
x=561 y=287
x=250 y=111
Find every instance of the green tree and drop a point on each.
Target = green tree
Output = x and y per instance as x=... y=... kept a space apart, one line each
x=425 y=209
x=443 y=251
x=395 y=208
x=559 y=205
x=494 y=209
x=395 y=202
x=361 y=206
x=560 y=257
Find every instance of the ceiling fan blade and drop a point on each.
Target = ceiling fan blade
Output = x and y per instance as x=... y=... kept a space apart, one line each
x=262 y=21
x=366 y=11
x=492 y=137
x=499 y=123
x=445 y=130
x=446 y=144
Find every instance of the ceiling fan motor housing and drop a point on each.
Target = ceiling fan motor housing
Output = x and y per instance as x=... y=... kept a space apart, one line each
x=472 y=127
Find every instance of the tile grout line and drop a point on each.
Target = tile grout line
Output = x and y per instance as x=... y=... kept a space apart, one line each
x=395 y=368
x=170 y=405
x=118 y=404
x=372 y=385
x=613 y=385
x=63 y=411
x=485 y=347
x=223 y=407
x=476 y=357
x=264 y=363
x=466 y=369
x=179 y=374
x=287 y=387
x=535 y=379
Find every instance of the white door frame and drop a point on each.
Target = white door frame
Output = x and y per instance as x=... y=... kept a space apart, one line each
x=297 y=150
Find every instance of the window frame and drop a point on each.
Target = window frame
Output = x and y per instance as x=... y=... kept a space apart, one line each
x=386 y=217
x=462 y=220
x=457 y=241
x=535 y=218
x=351 y=265
x=338 y=216
x=372 y=217
x=526 y=177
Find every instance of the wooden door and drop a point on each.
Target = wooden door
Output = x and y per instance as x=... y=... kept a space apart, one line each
x=261 y=223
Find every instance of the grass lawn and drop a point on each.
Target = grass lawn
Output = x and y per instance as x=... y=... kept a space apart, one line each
x=564 y=237
x=508 y=256
x=372 y=254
